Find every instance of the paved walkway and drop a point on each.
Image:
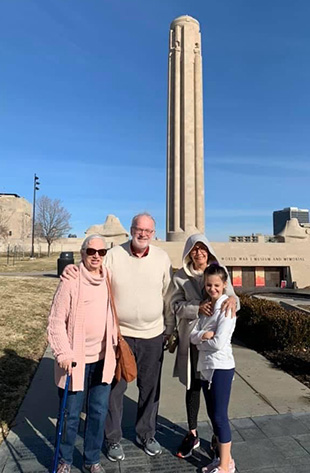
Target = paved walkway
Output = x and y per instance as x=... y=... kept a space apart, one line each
x=269 y=411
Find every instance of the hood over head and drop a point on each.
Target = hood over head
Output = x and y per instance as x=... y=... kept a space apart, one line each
x=189 y=245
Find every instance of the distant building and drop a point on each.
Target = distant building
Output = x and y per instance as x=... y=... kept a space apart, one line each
x=16 y=214
x=280 y=217
x=257 y=238
x=254 y=238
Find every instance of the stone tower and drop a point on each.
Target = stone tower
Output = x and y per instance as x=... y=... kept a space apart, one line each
x=185 y=164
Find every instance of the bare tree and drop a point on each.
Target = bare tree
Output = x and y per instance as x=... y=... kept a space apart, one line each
x=52 y=220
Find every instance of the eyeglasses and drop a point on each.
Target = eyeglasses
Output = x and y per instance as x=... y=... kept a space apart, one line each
x=202 y=249
x=147 y=231
x=92 y=251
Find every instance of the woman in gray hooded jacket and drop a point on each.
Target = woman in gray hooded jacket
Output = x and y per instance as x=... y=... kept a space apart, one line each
x=188 y=300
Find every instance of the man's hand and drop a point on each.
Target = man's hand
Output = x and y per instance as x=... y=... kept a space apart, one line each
x=67 y=366
x=208 y=335
x=70 y=272
x=229 y=304
x=205 y=308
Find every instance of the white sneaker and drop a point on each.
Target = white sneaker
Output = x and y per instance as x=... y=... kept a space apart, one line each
x=213 y=467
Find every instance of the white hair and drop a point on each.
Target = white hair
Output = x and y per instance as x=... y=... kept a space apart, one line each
x=92 y=237
x=143 y=214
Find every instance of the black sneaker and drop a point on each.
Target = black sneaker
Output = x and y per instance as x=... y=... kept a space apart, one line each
x=189 y=443
x=115 y=452
x=214 y=447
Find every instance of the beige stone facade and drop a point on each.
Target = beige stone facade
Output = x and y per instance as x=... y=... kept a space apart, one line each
x=185 y=166
x=249 y=264
x=293 y=232
x=257 y=264
x=112 y=230
x=16 y=213
x=40 y=246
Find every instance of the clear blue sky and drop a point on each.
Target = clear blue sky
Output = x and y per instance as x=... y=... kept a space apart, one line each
x=83 y=89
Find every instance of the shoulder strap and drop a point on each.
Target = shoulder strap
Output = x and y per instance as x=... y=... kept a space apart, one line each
x=113 y=306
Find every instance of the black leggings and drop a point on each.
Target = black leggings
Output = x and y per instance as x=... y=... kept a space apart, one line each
x=192 y=397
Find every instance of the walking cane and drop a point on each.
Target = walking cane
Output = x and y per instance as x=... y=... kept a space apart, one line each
x=61 y=420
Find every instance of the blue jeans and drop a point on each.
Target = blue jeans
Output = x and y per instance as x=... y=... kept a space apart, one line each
x=217 y=400
x=97 y=402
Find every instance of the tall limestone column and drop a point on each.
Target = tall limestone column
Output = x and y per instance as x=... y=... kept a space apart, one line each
x=185 y=165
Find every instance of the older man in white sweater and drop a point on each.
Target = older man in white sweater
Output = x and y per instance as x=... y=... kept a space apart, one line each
x=140 y=279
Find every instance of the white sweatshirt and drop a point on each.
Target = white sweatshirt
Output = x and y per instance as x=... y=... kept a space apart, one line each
x=217 y=352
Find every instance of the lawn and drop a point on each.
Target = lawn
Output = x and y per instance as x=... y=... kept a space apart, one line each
x=24 y=308
x=28 y=265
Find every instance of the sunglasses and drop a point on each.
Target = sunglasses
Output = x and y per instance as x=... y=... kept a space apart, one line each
x=92 y=251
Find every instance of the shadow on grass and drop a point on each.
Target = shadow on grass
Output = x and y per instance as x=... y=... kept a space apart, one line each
x=16 y=373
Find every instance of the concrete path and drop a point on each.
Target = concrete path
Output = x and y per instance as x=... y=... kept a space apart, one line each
x=269 y=411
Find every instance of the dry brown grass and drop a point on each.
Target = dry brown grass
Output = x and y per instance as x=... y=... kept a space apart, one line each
x=28 y=265
x=24 y=308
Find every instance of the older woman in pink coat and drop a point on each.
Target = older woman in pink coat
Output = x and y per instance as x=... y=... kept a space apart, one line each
x=81 y=329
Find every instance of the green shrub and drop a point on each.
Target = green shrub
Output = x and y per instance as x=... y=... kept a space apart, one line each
x=265 y=325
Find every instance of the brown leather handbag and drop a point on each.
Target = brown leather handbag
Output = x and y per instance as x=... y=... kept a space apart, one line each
x=126 y=366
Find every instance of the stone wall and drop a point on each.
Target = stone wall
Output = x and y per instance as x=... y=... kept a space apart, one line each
x=17 y=215
x=295 y=255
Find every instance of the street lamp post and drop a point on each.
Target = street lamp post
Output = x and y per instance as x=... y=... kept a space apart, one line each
x=35 y=188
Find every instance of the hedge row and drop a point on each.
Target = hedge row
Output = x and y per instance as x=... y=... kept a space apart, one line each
x=265 y=325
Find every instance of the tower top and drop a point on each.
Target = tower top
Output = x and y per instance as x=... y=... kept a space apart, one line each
x=183 y=20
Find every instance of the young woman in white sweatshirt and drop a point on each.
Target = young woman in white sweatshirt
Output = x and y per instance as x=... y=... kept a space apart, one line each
x=212 y=336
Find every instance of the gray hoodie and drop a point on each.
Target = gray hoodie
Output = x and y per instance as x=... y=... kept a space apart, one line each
x=187 y=295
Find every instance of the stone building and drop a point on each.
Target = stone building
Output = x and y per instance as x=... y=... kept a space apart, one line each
x=112 y=230
x=250 y=260
x=16 y=216
x=257 y=264
x=280 y=217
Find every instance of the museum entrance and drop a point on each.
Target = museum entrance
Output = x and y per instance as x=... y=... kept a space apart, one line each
x=248 y=276
x=268 y=276
x=274 y=276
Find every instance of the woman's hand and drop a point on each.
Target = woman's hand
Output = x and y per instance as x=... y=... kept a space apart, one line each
x=229 y=304
x=70 y=272
x=208 y=335
x=67 y=366
x=205 y=308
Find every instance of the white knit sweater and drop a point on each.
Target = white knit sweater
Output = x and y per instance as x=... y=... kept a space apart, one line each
x=140 y=288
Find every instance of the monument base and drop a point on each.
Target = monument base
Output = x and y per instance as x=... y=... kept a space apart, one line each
x=181 y=235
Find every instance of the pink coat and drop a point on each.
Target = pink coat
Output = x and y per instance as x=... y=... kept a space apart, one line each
x=66 y=333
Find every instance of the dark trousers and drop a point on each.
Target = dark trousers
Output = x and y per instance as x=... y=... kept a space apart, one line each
x=192 y=396
x=217 y=400
x=149 y=358
x=97 y=400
